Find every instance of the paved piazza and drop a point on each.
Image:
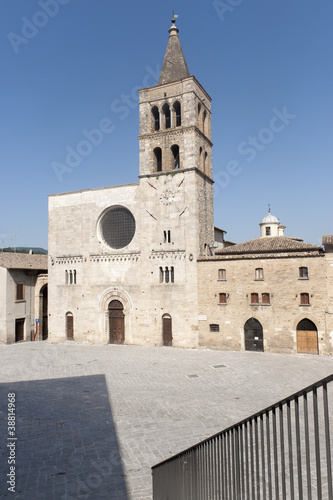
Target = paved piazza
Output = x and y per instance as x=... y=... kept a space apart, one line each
x=91 y=420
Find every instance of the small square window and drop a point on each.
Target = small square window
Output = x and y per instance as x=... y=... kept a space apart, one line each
x=303 y=273
x=214 y=328
x=222 y=298
x=222 y=274
x=259 y=274
x=254 y=298
x=305 y=299
x=19 y=291
x=265 y=298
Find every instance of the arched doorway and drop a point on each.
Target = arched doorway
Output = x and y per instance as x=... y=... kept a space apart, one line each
x=70 y=326
x=167 y=330
x=307 y=337
x=116 y=322
x=254 y=337
x=43 y=315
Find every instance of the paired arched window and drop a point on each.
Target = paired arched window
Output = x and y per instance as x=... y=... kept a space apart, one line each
x=175 y=155
x=167 y=116
x=156 y=118
x=177 y=110
x=158 y=159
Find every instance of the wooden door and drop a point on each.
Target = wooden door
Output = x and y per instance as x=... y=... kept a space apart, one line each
x=254 y=338
x=116 y=322
x=70 y=327
x=19 y=330
x=307 y=342
x=307 y=337
x=167 y=330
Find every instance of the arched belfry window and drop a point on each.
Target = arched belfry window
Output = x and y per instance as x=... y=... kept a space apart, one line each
x=200 y=158
x=167 y=115
x=156 y=118
x=204 y=122
x=177 y=109
x=175 y=155
x=205 y=162
x=158 y=159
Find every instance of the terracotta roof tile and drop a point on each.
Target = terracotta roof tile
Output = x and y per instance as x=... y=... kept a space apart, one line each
x=270 y=245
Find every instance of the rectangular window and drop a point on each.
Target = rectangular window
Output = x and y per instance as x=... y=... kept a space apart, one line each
x=268 y=231
x=19 y=291
x=214 y=328
x=259 y=274
x=305 y=299
x=254 y=298
x=303 y=273
x=222 y=274
x=265 y=298
x=222 y=298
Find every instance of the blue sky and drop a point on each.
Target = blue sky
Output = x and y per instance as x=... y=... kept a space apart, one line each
x=267 y=66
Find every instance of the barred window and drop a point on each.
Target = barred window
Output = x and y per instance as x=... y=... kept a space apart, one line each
x=214 y=328
x=259 y=273
x=118 y=227
x=222 y=274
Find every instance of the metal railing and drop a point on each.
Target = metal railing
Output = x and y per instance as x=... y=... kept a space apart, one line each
x=282 y=452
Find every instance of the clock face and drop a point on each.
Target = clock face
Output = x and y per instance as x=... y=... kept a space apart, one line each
x=167 y=197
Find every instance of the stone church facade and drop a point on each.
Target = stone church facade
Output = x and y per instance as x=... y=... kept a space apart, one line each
x=130 y=274
x=141 y=268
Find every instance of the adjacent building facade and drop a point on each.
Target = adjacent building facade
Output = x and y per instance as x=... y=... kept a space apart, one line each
x=135 y=264
x=23 y=292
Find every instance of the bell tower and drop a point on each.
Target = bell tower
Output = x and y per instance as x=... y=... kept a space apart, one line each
x=175 y=118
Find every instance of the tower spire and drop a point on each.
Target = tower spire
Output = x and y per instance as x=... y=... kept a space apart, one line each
x=174 y=65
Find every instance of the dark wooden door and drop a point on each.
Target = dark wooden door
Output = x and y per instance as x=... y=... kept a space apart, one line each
x=116 y=322
x=254 y=338
x=167 y=331
x=19 y=330
x=70 y=327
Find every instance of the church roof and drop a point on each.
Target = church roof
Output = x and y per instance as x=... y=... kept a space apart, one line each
x=174 y=65
x=23 y=261
x=273 y=244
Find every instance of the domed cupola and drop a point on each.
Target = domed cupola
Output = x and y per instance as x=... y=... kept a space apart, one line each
x=270 y=226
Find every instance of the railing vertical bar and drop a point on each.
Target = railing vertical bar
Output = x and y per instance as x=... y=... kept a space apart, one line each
x=233 y=460
x=299 y=452
x=238 y=480
x=225 y=468
x=283 y=462
x=247 y=461
x=219 y=472
x=307 y=445
x=317 y=445
x=207 y=471
x=269 y=459
x=200 y=468
x=229 y=467
x=242 y=471
x=256 y=436
x=290 y=446
x=327 y=439
x=276 y=463
x=252 y=461
x=214 y=467
x=263 y=464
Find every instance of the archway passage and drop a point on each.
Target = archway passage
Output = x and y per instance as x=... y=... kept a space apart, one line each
x=43 y=315
x=254 y=337
x=167 y=330
x=307 y=337
x=116 y=322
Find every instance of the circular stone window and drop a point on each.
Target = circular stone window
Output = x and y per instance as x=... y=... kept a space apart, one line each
x=118 y=227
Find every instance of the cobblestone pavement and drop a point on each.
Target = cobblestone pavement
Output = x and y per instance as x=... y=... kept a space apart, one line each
x=92 y=420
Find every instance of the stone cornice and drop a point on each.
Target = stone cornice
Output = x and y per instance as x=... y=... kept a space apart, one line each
x=115 y=257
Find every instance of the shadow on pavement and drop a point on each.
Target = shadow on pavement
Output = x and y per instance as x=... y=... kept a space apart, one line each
x=66 y=445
